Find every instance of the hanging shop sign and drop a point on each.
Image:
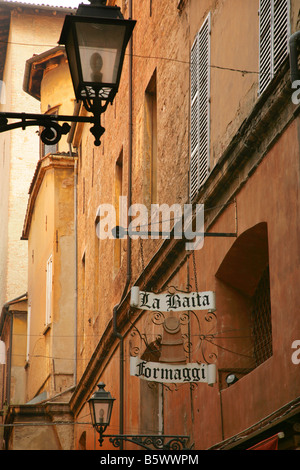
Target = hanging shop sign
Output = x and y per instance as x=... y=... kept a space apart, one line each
x=172 y=373
x=167 y=302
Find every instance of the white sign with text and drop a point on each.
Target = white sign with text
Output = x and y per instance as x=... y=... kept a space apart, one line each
x=168 y=302
x=172 y=373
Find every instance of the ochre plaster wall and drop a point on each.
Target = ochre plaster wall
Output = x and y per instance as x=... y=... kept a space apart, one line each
x=52 y=234
x=29 y=34
x=202 y=412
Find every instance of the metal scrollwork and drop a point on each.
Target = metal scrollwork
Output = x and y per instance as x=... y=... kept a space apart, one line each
x=210 y=316
x=3 y=121
x=159 y=442
x=134 y=348
x=173 y=289
x=198 y=332
x=184 y=318
x=52 y=132
x=158 y=318
x=187 y=344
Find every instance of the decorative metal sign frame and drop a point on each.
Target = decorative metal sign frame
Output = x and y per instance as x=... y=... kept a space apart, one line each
x=151 y=442
x=198 y=344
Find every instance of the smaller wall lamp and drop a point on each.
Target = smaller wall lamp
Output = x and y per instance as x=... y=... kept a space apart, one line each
x=231 y=379
x=101 y=404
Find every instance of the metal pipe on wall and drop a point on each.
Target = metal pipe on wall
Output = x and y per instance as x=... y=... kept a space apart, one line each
x=75 y=262
x=294 y=47
x=76 y=274
x=128 y=276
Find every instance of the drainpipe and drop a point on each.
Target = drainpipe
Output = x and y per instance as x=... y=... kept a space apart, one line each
x=5 y=312
x=129 y=149
x=128 y=276
x=10 y=355
x=293 y=43
x=121 y=372
x=75 y=256
x=76 y=274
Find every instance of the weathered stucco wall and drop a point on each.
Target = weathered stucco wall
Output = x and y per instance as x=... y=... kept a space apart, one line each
x=30 y=33
x=51 y=355
x=253 y=165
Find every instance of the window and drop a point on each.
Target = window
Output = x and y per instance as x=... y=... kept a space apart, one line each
x=153 y=396
x=49 y=291
x=261 y=320
x=200 y=108
x=82 y=441
x=274 y=30
x=118 y=207
x=151 y=141
x=2 y=92
x=46 y=149
x=82 y=298
x=28 y=332
x=243 y=285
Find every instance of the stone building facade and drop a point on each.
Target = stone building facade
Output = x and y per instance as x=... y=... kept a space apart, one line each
x=28 y=375
x=26 y=30
x=201 y=117
x=204 y=119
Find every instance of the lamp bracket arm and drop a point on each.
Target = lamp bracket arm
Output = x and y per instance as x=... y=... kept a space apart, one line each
x=96 y=107
x=159 y=442
x=52 y=132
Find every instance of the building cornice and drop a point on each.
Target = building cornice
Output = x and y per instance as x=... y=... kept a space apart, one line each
x=36 y=66
x=44 y=164
x=262 y=429
x=34 y=8
x=6 y=310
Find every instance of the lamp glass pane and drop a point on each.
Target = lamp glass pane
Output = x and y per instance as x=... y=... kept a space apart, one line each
x=102 y=413
x=70 y=48
x=100 y=49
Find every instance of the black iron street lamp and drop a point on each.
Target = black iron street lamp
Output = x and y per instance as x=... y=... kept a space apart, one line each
x=95 y=40
x=101 y=404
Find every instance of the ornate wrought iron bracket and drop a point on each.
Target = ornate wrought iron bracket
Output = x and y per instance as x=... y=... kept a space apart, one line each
x=151 y=442
x=52 y=130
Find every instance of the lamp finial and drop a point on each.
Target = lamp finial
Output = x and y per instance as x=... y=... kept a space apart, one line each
x=98 y=2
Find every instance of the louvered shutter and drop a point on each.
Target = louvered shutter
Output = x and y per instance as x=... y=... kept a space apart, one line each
x=49 y=291
x=28 y=332
x=281 y=32
x=200 y=108
x=273 y=38
x=265 y=44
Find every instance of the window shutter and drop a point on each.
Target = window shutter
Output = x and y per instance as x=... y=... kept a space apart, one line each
x=273 y=38
x=265 y=44
x=28 y=332
x=49 y=291
x=200 y=108
x=281 y=32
